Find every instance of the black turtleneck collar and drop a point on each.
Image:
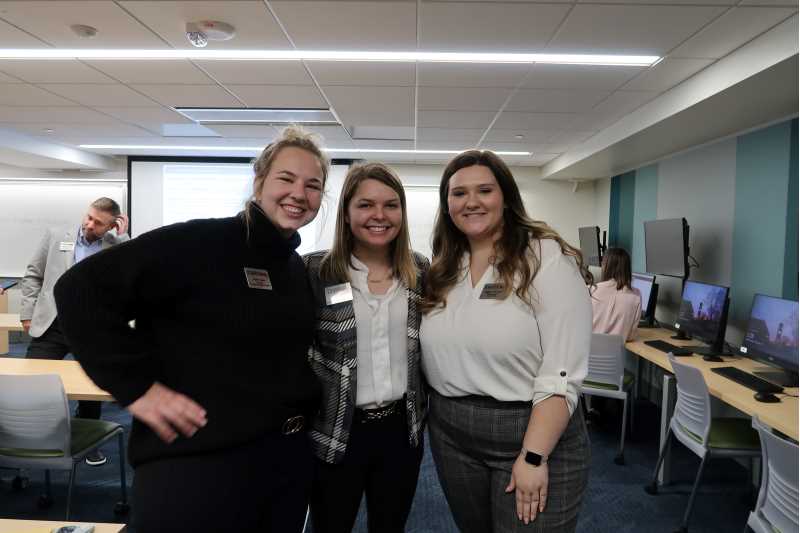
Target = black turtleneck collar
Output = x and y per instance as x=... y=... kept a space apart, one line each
x=263 y=233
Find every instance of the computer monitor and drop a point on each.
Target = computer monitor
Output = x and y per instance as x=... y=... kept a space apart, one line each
x=704 y=315
x=648 y=289
x=772 y=336
x=589 y=238
x=666 y=247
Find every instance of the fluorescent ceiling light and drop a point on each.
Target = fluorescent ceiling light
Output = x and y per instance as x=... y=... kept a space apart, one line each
x=329 y=55
x=256 y=149
x=319 y=117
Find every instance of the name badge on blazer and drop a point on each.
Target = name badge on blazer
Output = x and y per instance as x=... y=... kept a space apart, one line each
x=66 y=246
x=336 y=294
x=491 y=291
x=257 y=279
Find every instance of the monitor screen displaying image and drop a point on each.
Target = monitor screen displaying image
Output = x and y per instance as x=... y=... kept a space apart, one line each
x=644 y=284
x=702 y=309
x=772 y=331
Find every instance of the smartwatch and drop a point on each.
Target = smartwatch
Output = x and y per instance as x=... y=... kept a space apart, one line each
x=533 y=458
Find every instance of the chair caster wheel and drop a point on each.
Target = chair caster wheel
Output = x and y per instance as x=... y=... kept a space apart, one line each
x=44 y=502
x=20 y=483
x=619 y=459
x=651 y=489
x=121 y=508
x=682 y=530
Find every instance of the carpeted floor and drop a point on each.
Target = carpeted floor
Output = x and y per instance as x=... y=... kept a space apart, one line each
x=615 y=501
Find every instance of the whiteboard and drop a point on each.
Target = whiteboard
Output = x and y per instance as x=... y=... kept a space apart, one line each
x=29 y=208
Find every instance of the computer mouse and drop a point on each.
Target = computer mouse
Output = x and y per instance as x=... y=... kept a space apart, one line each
x=766 y=397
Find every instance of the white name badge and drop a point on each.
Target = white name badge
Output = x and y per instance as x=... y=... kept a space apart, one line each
x=65 y=246
x=337 y=294
x=257 y=279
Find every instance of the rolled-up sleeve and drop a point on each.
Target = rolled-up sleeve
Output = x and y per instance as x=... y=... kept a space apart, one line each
x=564 y=315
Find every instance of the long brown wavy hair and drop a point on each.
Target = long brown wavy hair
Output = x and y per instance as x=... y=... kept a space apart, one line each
x=514 y=250
x=617 y=266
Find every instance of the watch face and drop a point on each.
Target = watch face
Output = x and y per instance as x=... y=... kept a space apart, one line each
x=533 y=458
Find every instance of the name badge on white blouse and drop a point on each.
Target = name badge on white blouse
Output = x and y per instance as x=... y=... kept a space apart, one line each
x=336 y=294
x=257 y=279
x=491 y=291
x=66 y=246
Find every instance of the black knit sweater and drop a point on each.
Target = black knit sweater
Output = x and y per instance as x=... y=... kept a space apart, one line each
x=240 y=352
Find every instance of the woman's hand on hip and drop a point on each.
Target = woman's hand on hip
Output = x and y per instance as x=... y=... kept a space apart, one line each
x=168 y=412
x=530 y=483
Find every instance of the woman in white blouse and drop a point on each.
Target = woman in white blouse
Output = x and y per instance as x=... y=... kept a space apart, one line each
x=368 y=434
x=505 y=341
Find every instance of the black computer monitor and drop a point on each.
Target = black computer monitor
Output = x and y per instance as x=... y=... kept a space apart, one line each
x=591 y=249
x=666 y=247
x=648 y=289
x=772 y=335
x=704 y=314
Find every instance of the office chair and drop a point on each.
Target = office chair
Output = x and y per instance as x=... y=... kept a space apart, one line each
x=776 y=508
x=608 y=378
x=36 y=431
x=692 y=426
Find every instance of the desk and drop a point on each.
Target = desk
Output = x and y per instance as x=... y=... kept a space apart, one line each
x=77 y=384
x=10 y=322
x=41 y=526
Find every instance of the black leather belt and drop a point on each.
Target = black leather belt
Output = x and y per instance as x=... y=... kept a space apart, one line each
x=293 y=425
x=380 y=413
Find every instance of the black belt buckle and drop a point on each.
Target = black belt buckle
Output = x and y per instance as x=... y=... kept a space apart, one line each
x=293 y=425
x=381 y=413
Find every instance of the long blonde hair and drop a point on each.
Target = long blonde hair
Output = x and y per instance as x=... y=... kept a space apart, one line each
x=335 y=264
x=516 y=257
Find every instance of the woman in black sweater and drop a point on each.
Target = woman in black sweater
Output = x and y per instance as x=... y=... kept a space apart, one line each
x=214 y=368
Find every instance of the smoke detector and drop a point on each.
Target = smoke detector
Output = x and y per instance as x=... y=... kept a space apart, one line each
x=202 y=31
x=83 y=31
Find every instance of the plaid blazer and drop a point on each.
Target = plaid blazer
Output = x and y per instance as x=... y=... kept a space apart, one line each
x=333 y=359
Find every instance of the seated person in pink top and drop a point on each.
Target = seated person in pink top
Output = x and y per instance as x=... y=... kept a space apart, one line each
x=616 y=306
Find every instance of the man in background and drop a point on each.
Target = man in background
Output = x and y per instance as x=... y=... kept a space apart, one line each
x=103 y=226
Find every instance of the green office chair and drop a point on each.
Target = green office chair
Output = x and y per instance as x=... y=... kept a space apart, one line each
x=36 y=431
x=692 y=425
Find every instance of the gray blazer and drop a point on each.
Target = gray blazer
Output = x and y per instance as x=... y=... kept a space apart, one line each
x=46 y=266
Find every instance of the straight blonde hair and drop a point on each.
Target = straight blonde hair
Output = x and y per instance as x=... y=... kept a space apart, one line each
x=335 y=264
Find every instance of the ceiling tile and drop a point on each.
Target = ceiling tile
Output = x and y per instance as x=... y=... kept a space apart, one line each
x=329 y=133
x=257 y=72
x=528 y=136
x=4 y=78
x=151 y=118
x=62 y=71
x=623 y=102
x=792 y=3
x=471 y=75
x=462 y=99
x=22 y=94
x=445 y=134
x=555 y=101
x=77 y=115
x=588 y=77
x=376 y=144
x=673 y=2
x=283 y=96
x=373 y=106
x=730 y=31
x=255 y=27
x=189 y=95
x=50 y=22
x=496 y=146
x=133 y=71
x=454 y=119
x=666 y=74
x=100 y=94
x=12 y=37
x=460 y=27
x=647 y=29
x=512 y=120
x=348 y=25
x=245 y=131
x=62 y=131
x=363 y=73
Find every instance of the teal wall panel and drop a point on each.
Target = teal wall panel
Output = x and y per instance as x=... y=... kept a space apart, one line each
x=645 y=208
x=790 y=267
x=759 y=228
x=613 y=211
x=627 y=198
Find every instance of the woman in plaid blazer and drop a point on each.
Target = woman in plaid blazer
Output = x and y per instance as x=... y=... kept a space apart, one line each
x=367 y=435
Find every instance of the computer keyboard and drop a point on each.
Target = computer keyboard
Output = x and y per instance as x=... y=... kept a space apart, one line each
x=662 y=345
x=748 y=380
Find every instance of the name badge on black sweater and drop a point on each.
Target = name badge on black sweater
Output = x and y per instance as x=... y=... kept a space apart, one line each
x=337 y=294
x=257 y=279
x=491 y=291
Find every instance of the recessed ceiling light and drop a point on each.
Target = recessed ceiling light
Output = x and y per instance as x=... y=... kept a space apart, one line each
x=328 y=55
x=256 y=149
x=48 y=130
x=519 y=137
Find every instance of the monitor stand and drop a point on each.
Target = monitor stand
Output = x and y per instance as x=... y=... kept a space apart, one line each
x=681 y=336
x=709 y=353
x=778 y=377
x=647 y=322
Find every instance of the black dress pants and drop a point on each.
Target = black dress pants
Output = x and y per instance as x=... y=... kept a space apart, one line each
x=52 y=344
x=380 y=463
x=262 y=487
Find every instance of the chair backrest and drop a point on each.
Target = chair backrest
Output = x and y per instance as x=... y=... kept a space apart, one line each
x=693 y=406
x=777 y=499
x=606 y=363
x=34 y=413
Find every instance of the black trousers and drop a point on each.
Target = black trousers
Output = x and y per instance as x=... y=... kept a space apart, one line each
x=380 y=463
x=262 y=486
x=53 y=345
